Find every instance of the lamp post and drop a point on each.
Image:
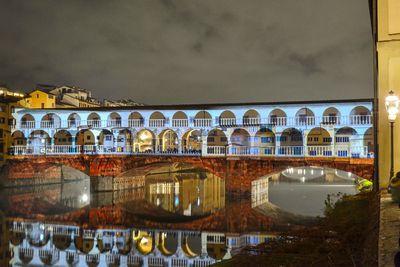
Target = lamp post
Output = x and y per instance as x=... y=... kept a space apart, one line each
x=392 y=108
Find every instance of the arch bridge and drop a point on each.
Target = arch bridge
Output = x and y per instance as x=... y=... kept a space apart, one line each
x=335 y=129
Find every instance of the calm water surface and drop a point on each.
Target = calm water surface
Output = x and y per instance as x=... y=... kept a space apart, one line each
x=176 y=215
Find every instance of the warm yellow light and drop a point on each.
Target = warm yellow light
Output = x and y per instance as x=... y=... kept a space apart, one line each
x=392 y=106
x=143 y=136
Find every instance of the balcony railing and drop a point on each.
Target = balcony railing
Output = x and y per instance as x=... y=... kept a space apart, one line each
x=323 y=121
x=231 y=150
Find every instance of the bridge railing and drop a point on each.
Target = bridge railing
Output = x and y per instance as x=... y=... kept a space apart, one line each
x=232 y=150
x=353 y=120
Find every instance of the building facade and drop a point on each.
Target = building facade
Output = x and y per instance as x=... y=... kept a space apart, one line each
x=388 y=57
x=325 y=129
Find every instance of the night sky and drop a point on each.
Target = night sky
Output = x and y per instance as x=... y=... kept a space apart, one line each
x=204 y=51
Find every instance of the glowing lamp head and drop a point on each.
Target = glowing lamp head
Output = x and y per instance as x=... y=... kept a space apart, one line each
x=392 y=106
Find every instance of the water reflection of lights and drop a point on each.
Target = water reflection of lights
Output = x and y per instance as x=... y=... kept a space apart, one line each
x=303 y=173
x=84 y=198
x=144 y=241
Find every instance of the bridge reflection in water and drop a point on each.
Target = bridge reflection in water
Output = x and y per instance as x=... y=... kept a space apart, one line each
x=177 y=217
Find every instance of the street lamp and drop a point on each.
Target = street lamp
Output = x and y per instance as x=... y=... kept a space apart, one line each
x=392 y=108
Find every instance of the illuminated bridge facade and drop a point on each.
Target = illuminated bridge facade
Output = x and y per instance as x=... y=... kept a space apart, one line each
x=298 y=129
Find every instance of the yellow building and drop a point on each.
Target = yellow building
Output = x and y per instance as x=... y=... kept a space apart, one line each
x=8 y=102
x=39 y=98
x=388 y=62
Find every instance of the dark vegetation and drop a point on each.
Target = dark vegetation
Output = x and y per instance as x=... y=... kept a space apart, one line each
x=347 y=236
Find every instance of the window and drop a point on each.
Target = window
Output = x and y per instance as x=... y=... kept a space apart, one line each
x=327 y=139
x=2 y=120
x=13 y=109
x=210 y=139
x=108 y=137
x=282 y=138
x=224 y=139
x=37 y=95
x=267 y=139
x=42 y=105
x=88 y=137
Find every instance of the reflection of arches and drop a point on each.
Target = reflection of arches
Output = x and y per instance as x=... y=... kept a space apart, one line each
x=168 y=141
x=369 y=140
x=167 y=243
x=114 y=120
x=50 y=120
x=84 y=245
x=25 y=255
x=157 y=119
x=251 y=117
x=331 y=115
x=305 y=117
x=18 y=139
x=63 y=137
x=144 y=141
x=74 y=120
x=27 y=121
x=360 y=115
x=144 y=243
x=216 y=251
x=85 y=137
x=135 y=119
x=191 y=141
x=93 y=120
x=180 y=119
x=277 y=117
x=191 y=245
x=61 y=242
x=202 y=119
x=227 y=118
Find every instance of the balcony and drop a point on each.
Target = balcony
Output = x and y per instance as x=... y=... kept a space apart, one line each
x=343 y=151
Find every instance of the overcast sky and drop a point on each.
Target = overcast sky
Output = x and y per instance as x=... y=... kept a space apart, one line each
x=204 y=51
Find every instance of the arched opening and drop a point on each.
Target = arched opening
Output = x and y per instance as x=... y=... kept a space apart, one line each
x=319 y=142
x=227 y=118
x=61 y=242
x=85 y=137
x=240 y=140
x=18 y=139
x=369 y=142
x=191 y=141
x=63 y=138
x=264 y=141
x=344 y=139
x=84 y=245
x=202 y=119
x=216 y=142
x=124 y=141
x=106 y=141
x=331 y=116
x=360 y=115
x=277 y=117
x=179 y=119
x=305 y=117
x=168 y=141
x=50 y=120
x=27 y=121
x=74 y=120
x=144 y=141
x=291 y=142
x=25 y=255
x=157 y=119
x=135 y=119
x=94 y=120
x=39 y=141
x=114 y=120
x=251 y=118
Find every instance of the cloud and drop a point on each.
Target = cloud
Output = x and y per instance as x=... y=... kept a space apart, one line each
x=169 y=51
